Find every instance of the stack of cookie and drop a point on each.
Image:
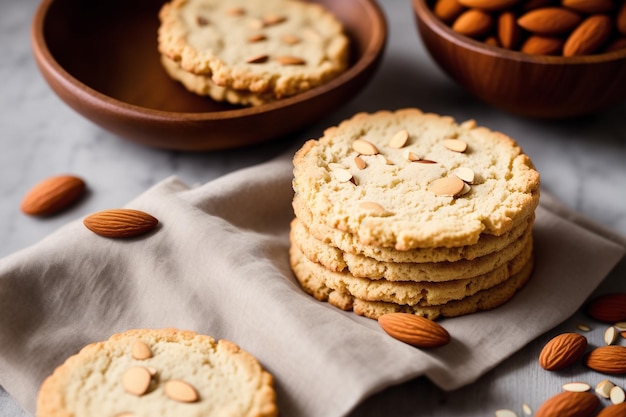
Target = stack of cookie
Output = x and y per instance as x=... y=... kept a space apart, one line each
x=411 y=212
x=250 y=52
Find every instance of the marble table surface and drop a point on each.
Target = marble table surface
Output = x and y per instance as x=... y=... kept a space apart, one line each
x=582 y=162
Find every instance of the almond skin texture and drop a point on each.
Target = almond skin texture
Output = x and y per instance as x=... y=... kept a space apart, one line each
x=52 y=195
x=120 y=223
x=414 y=330
x=569 y=404
x=589 y=36
x=542 y=45
x=562 y=351
x=616 y=410
x=609 y=308
x=549 y=21
x=473 y=23
x=607 y=359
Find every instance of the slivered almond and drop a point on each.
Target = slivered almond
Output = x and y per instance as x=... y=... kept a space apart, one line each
x=505 y=413
x=455 y=145
x=526 y=409
x=290 y=39
x=181 y=391
x=257 y=59
x=576 y=387
x=235 y=11
x=610 y=335
x=617 y=395
x=257 y=38
x=364 y=147
x=466 y=189
x=290 y=60
x=140 y=350
x=382 y=158
x=342 y=174
x=370 y=205
x=603 y=389
x=273 y=19
x=465 y=174
x=120 y=223
x=136 y=380
x=447 y=186
x=359 y=162
x=620 y=326
x=399 y=139
x=411 y=156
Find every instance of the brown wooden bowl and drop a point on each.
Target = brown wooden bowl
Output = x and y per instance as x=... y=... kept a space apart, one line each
x=101 y=58
x=528 y=85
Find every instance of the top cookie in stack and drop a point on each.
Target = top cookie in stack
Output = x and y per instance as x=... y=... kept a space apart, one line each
x=408 y=211
x=250 y=52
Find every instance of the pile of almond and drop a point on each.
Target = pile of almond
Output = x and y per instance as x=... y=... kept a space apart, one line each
x=540 y=27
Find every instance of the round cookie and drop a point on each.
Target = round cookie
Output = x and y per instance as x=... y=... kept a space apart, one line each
x=349 y=243
x=407 y=292
x=277 y=47
x=164 y=372
x=483 y=300
x=361 y=266
x=399 y=179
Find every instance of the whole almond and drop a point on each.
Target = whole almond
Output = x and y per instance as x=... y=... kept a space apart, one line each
x=607 y=359
x=589 y=6
x=562 y=351
x=609 y=308
x=549 y=21
x=120 y=223
x=509 y=33
x=542 y=45
x=448 y=10
x=615 y=410
x=570 y=404
x=414 y=330
x=589 y=36
x=473 y=23
x=53 y=195
x=489 y=5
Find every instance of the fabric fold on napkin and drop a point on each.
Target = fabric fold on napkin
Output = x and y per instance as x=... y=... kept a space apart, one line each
x=218 y=264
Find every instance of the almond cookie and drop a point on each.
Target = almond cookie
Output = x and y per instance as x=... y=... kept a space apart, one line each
x=271 y=47
x=408 y=179
x=407 y=292
x=361 y=266
x=163 y=372
x=483 y=300
x=349 y=243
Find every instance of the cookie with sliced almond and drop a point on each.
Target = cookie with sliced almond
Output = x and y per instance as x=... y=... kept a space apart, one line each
x=159 y=372
x=266 y=51
x=438 y=183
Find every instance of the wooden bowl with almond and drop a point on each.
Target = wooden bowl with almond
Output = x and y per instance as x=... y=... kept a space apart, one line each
x=539 y=58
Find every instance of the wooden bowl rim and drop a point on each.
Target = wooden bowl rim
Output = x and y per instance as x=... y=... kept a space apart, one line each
x=369 y=56
x=426 y=15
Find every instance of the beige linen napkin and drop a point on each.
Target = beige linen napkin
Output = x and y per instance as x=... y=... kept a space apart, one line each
x=218 y=264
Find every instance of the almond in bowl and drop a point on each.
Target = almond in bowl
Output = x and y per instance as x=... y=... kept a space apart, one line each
x=530 y=56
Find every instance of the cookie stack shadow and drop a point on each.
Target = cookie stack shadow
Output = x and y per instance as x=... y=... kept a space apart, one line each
x=357 y=267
